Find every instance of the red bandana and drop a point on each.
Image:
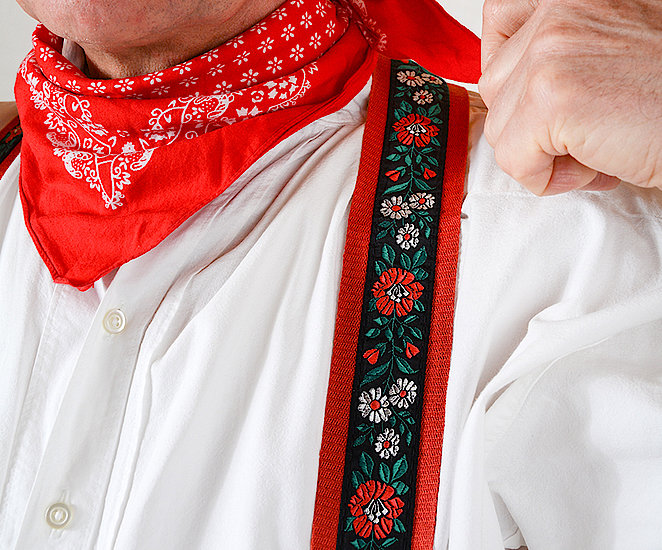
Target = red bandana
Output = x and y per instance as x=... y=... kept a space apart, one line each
x=109 y=168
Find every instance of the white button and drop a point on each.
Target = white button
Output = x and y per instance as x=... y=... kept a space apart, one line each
x=58 y=515
x=114 y=321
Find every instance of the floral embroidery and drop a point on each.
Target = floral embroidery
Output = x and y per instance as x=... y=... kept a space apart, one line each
x=387 y=443
x=416 y=129
x=421 y=201
x=402 y=393
x=407 y=236
x=385 y=423
x=395 y=208
x=374 y=405
x=396 y=290
x=410 y=78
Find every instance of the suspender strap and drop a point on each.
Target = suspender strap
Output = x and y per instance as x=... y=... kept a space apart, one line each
x=10 y=138
x=382 y=439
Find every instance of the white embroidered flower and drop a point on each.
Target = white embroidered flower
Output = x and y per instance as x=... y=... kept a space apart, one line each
x=320 y=8
x=297 y=52
x=275 y=65
x=210 y=56
x=266 y=45
x=306 y=20
x=316 y=40
x=407 y=237
x=124 y=85
x=288 y=32
x=236 y=42
x=161 y=90
x=249 y=77
x=374 y=405
x=190 y=81
x=223 y=87
x=421 y=201
x=73 y=85
x=182 y=68
x=242 y=58
x=216 y=70
x=431 y=78
x=423 y=96
x=45 y=53
x=395 y=208
x=410 y=78
x=153 y=78
x=96 y=87
x=60 y=66
x=402 y=393
x=330 y=28
x=387 y=444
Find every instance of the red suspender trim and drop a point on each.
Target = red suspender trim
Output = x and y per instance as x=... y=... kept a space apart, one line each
x=383 y=429
x=10 y=138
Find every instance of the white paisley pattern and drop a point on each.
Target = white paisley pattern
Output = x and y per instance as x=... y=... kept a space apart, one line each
x=189 y=100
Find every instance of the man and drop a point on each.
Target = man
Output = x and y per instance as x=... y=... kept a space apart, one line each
x=178 y=400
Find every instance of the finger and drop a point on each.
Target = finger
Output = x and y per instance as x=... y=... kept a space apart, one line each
x=501 y=20
x=602 y=182
x=504 y=63
x=568 y=174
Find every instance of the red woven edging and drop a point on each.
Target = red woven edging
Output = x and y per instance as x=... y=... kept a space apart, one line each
x=441 y=325
x=348 y=319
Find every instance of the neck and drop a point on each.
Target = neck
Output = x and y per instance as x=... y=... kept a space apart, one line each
x=174 y=45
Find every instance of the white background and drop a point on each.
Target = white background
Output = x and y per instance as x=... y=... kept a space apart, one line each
x=16 y=28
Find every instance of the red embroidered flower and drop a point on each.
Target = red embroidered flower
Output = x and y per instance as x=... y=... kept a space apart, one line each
x=396 y=290
x=416 y=129
x=411 y=350
x=374 y=507
x=393 y=175
x=371 y=355
x=427 y=174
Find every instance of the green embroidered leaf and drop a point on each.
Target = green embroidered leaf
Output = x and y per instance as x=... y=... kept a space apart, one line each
x=427 y=232
x=402 y=148
x=427 y=150
x=366 y=464
x=389 y=542
x=405 y=261
x=381 y=346
x=388 y=254
x=374 y=374
x=417 y=305
x=384 y=473
x=420 y=257
x=373 y=333
x=396 y=188
x=406 y=107
x=400 y=331
x=420 y=275
x=408 y=160
x=409 y=319
x=393 y=157
x=357 y=479
x=388 y=333
x=398 y=526
x=348 y=523
x=400 y=468
x=401 y=427
x=408 y=438
x=359 y=543
x=403 y=366
x=363 y=428
x=359 y=440
x=380 y=266
x=419 y=159
x=381 y=321
x=434 y=110
x=398 y=114
x=416 y=332
x=433 y=161
x=382 y=234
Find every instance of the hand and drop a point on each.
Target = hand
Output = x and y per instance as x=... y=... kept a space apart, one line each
x=574 y=91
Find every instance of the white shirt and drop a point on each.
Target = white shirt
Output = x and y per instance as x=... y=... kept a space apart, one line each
x=179 y=403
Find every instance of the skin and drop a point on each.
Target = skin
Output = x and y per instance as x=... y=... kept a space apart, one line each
x=574 y=91
x=123 y=38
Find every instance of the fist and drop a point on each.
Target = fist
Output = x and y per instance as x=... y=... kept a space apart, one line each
x=574 y=91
